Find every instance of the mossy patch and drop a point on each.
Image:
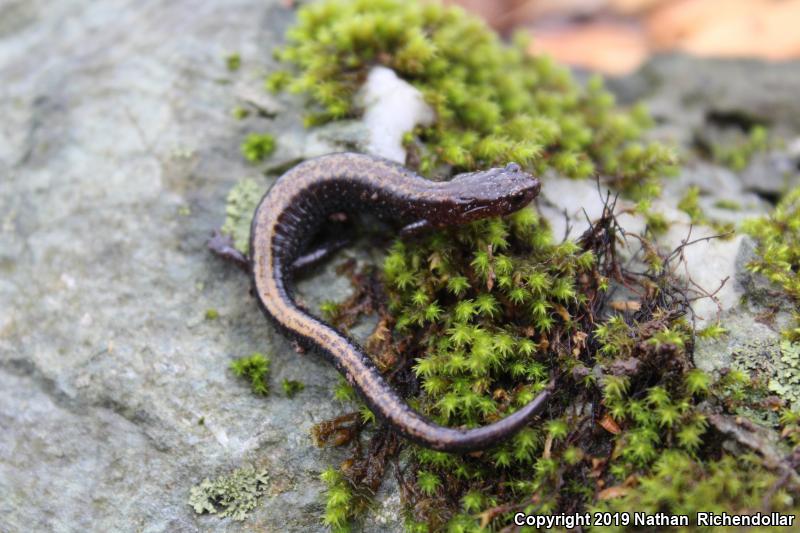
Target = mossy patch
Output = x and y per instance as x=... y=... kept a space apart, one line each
x=291 y=387
x=255 y=369
x=494 y=103
x=778 y=250
x=258 y=146
x=738 y=155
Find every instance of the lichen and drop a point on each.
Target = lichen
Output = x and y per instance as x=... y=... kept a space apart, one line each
x=786 y=381
x=254 y=368
x=239 y=208
x=233 y=495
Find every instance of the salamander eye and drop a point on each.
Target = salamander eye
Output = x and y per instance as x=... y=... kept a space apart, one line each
x=513 y=167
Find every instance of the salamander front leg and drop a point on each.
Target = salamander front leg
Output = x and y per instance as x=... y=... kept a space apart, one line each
x=222 y=246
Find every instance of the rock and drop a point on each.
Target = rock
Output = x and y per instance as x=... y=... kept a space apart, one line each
x=772 y=173
x=709 y=263
x=118 y=148
x=687 y=91
x=392 y=107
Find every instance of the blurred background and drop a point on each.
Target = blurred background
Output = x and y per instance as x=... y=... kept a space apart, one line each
x=616 y=36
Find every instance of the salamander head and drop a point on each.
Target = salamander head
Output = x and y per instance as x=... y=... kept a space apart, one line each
x=493 y=192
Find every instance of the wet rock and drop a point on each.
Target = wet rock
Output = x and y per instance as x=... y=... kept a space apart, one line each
x=118 y=149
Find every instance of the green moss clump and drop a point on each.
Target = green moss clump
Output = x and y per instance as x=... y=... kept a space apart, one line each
x=690 y=204
x=241 y=203
x=778 y=250
x=211 y=314
x=258 y=146
x=233 y=495
x=680 y=484
x=730 y=205
x=739 y=155
x=292 y=387
x=342 y=501
x=233 y=62
x=240 y=113
x=494 y=103
x=254 y=368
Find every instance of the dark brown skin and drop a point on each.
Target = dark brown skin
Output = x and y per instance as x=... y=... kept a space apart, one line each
x=301 y=200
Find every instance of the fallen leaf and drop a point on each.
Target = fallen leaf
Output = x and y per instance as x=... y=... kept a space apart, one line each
x=616 y=491
x=609 y=425
x=628 y=305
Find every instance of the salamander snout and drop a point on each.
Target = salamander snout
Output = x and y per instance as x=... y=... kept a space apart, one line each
x=494 y=192
x=517 y=187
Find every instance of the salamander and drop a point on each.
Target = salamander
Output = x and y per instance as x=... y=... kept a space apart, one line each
x=300 y=201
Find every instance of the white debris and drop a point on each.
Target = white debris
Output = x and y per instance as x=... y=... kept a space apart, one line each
x=569 y=205
x=392 y=107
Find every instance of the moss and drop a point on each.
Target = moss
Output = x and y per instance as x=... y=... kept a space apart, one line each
x=258 y=146
x=494 y=103
x=343 y=503
x=730 y=205
x=680 y=484
x=254 y=368
x=690 y=204
x=240 y=113
x=738 y=155
x=233 y=62
x=241 y=203
x=778 y=250
x=292 y=387
x=211 y=314
x=233 y=495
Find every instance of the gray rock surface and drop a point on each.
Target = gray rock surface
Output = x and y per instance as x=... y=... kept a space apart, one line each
x=117 y=149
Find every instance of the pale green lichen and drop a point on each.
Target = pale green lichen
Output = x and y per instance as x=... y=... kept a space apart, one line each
x=786 y=379
x=775 y=363
x=241 y=203
x=233 y=495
